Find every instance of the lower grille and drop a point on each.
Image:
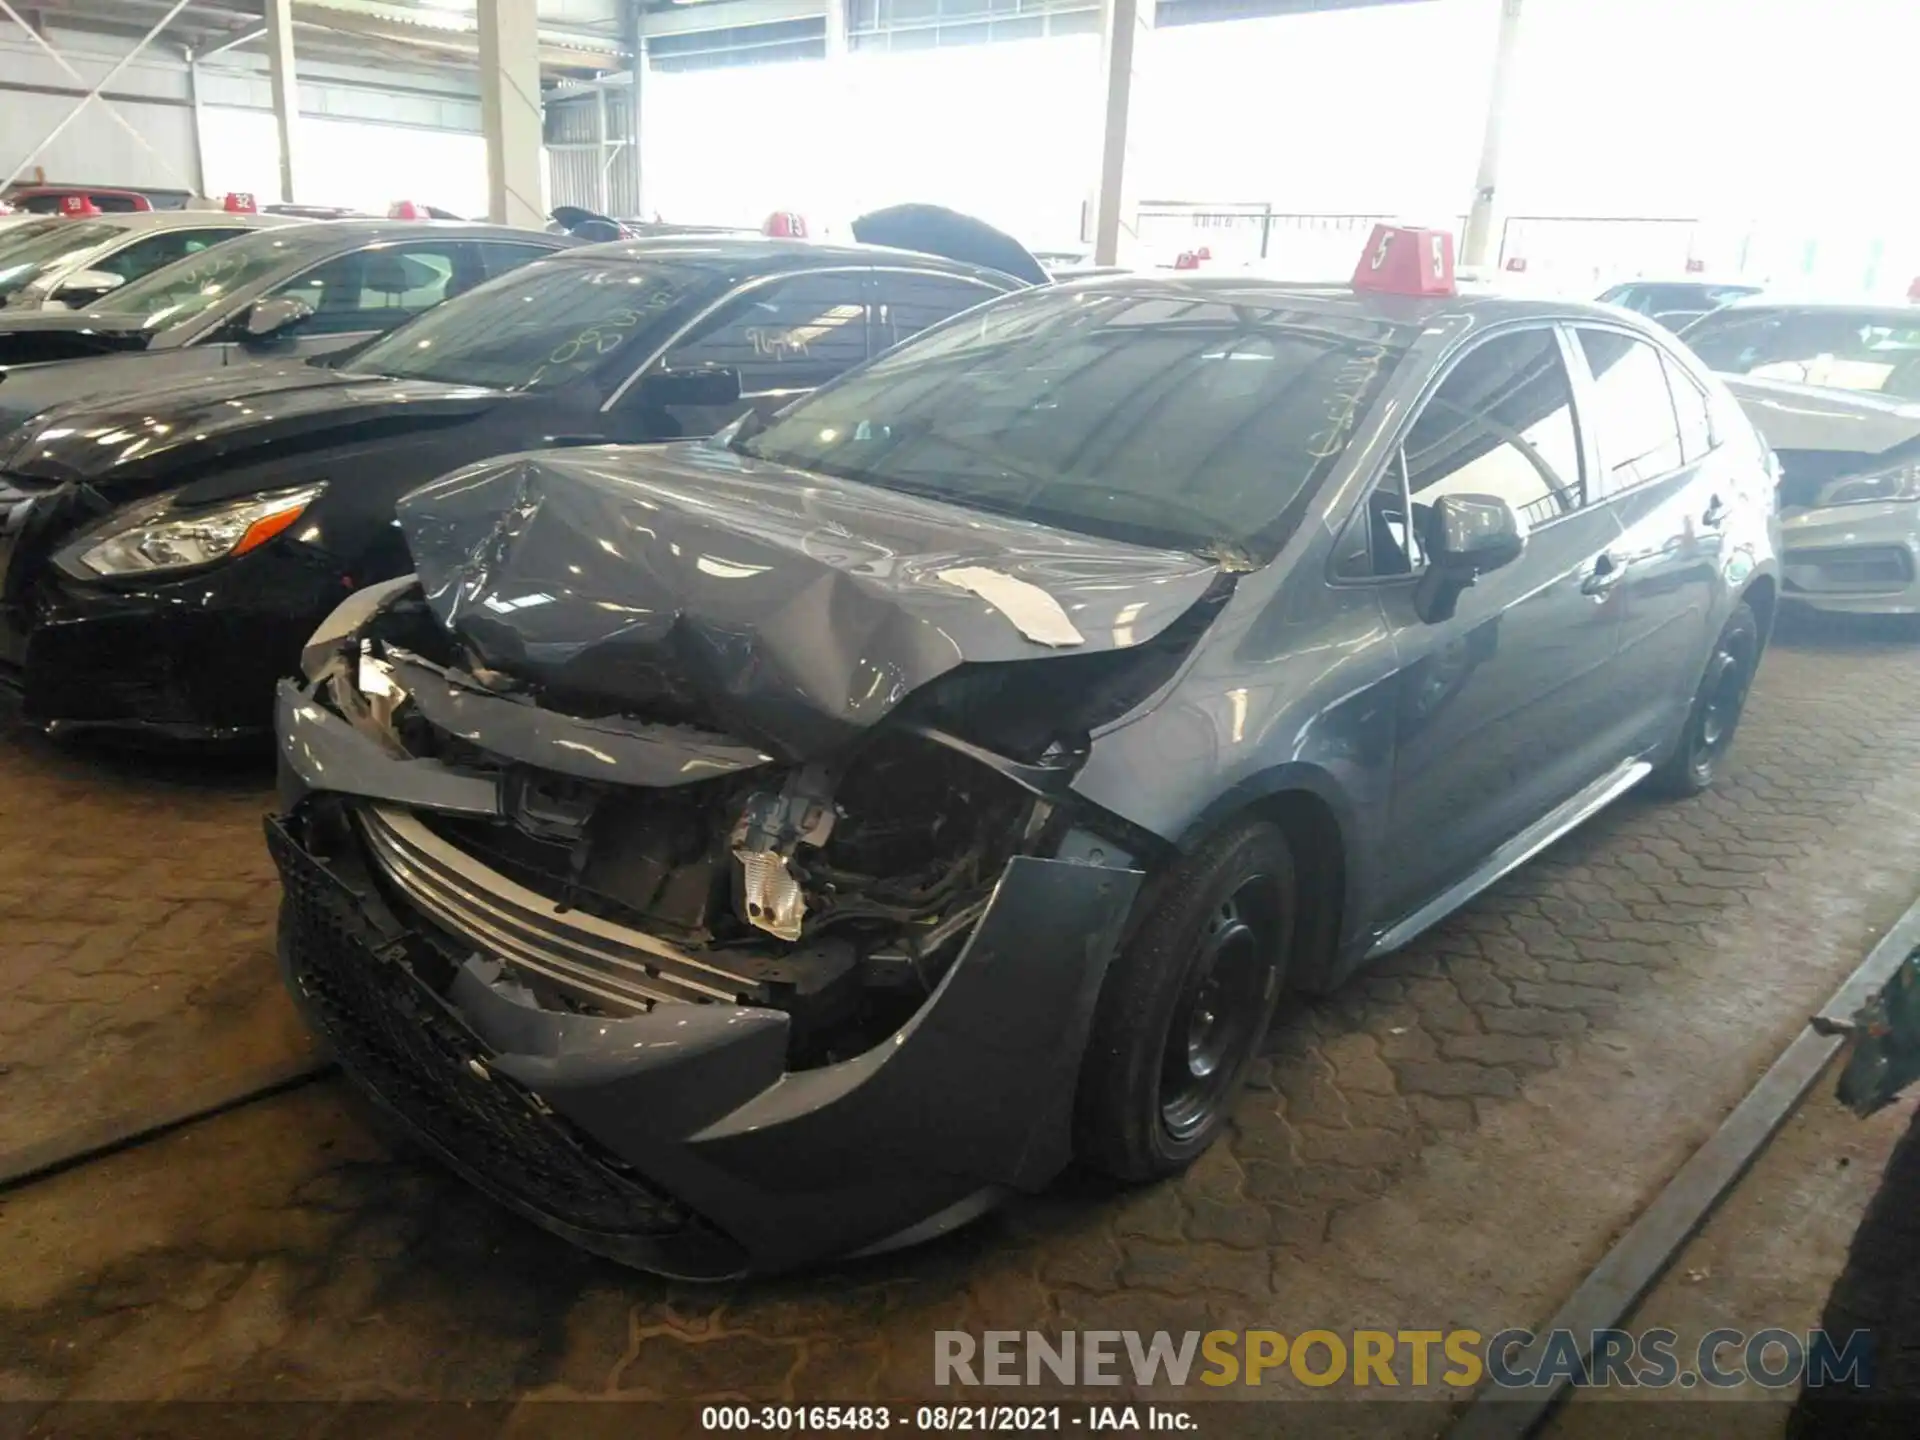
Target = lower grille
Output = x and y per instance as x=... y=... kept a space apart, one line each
x=396 y=1038
x=593 y=961
x=1867 y=569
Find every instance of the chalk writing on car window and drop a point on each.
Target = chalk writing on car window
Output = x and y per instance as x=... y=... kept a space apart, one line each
x=1351 y=386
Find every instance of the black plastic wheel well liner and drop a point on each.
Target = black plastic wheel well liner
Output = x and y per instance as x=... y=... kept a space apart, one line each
x=1320 y=882
x=1762 y=596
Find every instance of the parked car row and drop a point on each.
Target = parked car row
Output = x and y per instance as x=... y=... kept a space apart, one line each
x=782 y=743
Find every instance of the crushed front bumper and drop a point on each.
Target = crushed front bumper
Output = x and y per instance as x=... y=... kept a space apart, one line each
x=677 y=1140
x=1860 y=559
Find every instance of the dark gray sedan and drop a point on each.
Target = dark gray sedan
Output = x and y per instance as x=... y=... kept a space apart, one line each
x=738 y=852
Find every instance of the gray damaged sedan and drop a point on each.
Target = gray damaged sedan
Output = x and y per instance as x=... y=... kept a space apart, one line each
x=1835 y=389
x=736 y=853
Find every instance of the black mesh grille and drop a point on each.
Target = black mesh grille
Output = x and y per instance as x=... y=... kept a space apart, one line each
x=391 y=1034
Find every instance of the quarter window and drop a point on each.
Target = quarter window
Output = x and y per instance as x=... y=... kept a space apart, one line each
x=1690 y=409
x=1501 y=424
x=1632 y=410
x=1383 y=541
x=791 y=335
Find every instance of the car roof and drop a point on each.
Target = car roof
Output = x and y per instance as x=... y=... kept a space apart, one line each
x=1824 y=304
x=176 y=219
x=764 y=252
x=350 y=231
x=1484 y=306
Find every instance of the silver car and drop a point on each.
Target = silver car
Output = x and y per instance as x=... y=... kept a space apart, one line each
x=1835 y=389
x=72 y=263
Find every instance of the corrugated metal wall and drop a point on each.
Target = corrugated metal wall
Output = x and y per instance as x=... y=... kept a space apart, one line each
x=152 y=93
x=583 y=167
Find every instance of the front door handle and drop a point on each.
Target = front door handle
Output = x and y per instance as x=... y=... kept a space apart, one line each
x=1608 y=571
x=1716 y=515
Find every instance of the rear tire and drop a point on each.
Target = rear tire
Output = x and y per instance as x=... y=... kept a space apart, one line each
x=1697 y=760
x=1186 y=1005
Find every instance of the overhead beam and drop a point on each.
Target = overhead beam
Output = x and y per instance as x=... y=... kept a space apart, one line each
x=730 y=15
x=285 y=85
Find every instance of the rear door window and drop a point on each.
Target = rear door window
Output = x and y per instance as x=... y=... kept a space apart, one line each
x=789 y=336
x=500 y=257
x=1632 y=412
x=904 y=304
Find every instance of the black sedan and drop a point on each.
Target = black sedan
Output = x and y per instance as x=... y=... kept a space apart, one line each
x=165 y=555
x=287 y=292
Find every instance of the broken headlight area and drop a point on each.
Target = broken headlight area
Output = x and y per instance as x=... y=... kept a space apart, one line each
x=839 y=892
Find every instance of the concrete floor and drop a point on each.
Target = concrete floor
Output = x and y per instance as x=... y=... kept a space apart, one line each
x=1450 y=1142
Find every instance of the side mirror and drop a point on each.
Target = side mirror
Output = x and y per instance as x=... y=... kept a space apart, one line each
x=707 y=385
x=83 y=287
x=1466 y=536
x=271 y=318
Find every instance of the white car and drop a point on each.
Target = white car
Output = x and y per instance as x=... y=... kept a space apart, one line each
x=1835 y=390
x=59 y=262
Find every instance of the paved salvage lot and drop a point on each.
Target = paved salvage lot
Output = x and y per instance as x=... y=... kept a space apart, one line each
x=1451 y=1141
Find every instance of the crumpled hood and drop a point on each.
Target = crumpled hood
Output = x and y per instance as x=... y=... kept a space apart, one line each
x=792 y=608
x=202 y=419
x=1793 y=416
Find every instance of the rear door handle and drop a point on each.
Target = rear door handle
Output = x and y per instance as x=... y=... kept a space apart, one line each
x=1608 y=571
x=1716 y=515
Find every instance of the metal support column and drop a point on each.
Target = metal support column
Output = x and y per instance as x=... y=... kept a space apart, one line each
x=1477 y=248
x=286 y=88
x=636 y=92
x=199 y=122
x=603 y=154
x=836 y=30
x=510 y=111
x=1123 y=29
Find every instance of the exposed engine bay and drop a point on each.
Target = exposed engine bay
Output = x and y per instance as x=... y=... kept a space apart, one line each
x=837 y=890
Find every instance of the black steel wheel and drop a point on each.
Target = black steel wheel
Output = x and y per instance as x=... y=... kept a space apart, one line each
x=1186 y=1005
x=1717 y=706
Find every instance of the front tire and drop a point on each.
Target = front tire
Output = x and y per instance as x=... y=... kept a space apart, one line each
x=1186 y=1005
x=1700 y=756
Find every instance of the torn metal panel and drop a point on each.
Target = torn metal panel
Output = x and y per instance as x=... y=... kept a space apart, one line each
x=790 y=609
x=611 y=747
x=321 y=751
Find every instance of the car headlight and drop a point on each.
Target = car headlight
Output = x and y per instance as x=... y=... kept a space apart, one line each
x=155 y=538
x=1902 y=482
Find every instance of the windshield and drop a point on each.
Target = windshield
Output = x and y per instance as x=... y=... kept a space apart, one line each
x=26 y=260
x=541 y=326
x=177 y=293
x=1873 y=351
x=1182 y=421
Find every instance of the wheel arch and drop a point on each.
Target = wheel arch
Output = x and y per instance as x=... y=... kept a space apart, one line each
x=1318 y=820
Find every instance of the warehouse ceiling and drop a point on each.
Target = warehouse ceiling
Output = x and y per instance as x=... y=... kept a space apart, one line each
x=576 y=36
x=583 y=38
